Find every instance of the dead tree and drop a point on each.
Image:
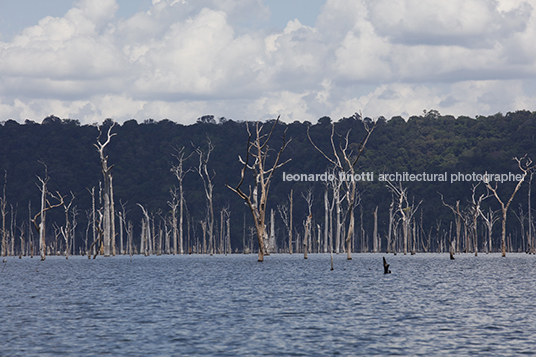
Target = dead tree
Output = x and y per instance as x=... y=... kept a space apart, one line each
x=290 y=228
x=174 y=204
x=475 y=213
x=344 y=161
x=391 y=221
x=529 y=213
x=108 y=220
x=66 y=231
x=257 y=148
x=13 y=217
x=525 y=165
x=307 y=235
x=337 y=200
x=206 y=177
x=146 y=233
x=308 y=197
x=122 y=226
x=22 y=229
x=180 y=173
x=327 y=217
x=490 y=219
x=458 y=219
x=3 y=211
x=45 y=206
x=284 y=213
x=271 y=240
x=405 y=209
x=375 y=240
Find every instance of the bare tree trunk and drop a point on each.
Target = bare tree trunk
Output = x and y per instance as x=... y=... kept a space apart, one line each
x=306 y=236
x=375 y=245
x=525 y=167
x=108 y=223
x=271 y=245
x=229 y=232
x=326 y=219
x=208 y=186
x=344 y=163
x=45 y=206
x=337 y=221
x=290 y=222
x=258 y=149
x=121 y=251
x=3 y=205
x=529 y=238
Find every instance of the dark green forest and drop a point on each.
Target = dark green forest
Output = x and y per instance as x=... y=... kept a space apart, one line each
x=142 y=155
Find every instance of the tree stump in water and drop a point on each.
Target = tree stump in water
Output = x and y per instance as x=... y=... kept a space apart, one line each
x=386 y=267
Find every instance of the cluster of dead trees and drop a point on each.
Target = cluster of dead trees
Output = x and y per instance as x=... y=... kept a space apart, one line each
x=339 y=230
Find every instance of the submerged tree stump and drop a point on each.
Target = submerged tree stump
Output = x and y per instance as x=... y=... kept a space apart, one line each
x=386 y=267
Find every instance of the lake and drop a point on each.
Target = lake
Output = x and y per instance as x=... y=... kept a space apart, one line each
x=233 y=305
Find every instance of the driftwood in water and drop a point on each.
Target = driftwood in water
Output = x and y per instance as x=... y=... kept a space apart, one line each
x=386 y=267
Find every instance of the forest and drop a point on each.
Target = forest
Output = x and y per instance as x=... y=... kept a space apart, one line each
x=353 y=185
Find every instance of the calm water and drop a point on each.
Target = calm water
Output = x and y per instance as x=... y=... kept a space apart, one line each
x=232 y=305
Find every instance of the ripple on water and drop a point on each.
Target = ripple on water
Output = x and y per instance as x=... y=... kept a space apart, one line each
x=232 y=305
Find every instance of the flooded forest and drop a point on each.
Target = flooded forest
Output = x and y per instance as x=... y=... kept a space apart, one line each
x=428 y=183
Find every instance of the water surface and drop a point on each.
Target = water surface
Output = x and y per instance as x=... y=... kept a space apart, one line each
x=233 y=305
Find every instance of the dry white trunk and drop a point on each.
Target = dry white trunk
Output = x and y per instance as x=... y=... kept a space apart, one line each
x=258 y=149
x=181 y=230
x=375 y=245
x=271 y=245
x=337 y=220
x=326 y=220
x=306 y=236
x=3 y=205
x=42 y=244
x=121 y=251
x=390 y=229
x=290 y=223
x=108 y=224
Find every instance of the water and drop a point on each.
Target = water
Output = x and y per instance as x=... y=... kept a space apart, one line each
x=233 y=305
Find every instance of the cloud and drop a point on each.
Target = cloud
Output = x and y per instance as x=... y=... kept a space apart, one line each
x=183 y=59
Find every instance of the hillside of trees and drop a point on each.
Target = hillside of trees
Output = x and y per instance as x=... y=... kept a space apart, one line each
x=143 y=154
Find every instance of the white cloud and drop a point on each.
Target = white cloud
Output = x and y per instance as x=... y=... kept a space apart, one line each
x=182 y=59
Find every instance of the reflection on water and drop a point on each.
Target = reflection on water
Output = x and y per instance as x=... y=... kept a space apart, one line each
x=233 y=305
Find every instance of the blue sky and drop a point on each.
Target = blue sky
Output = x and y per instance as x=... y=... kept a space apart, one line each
x=16 y=15
x=256 y=59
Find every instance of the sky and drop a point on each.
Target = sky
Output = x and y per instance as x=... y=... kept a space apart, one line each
x=257 y=59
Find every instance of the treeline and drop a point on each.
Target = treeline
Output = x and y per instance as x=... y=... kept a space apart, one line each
x=143 y=155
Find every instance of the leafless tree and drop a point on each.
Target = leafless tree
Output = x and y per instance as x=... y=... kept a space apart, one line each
x=375 y=240
x=207 y=178
x=405 y=209
x=122 y=226
x=45 y=206
x=3 y=211
x=309 y=198
x=284 y=213
x=525 y=165
x=529 y=213
x=146 y=232
x=475 y=212
x=391 y=222
x=67 y=230
x=108 y=222
x=180 y=173
x=490 y=218
x=176 y=234
x=258 y=149
x=22 y=230
x=345 y=160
